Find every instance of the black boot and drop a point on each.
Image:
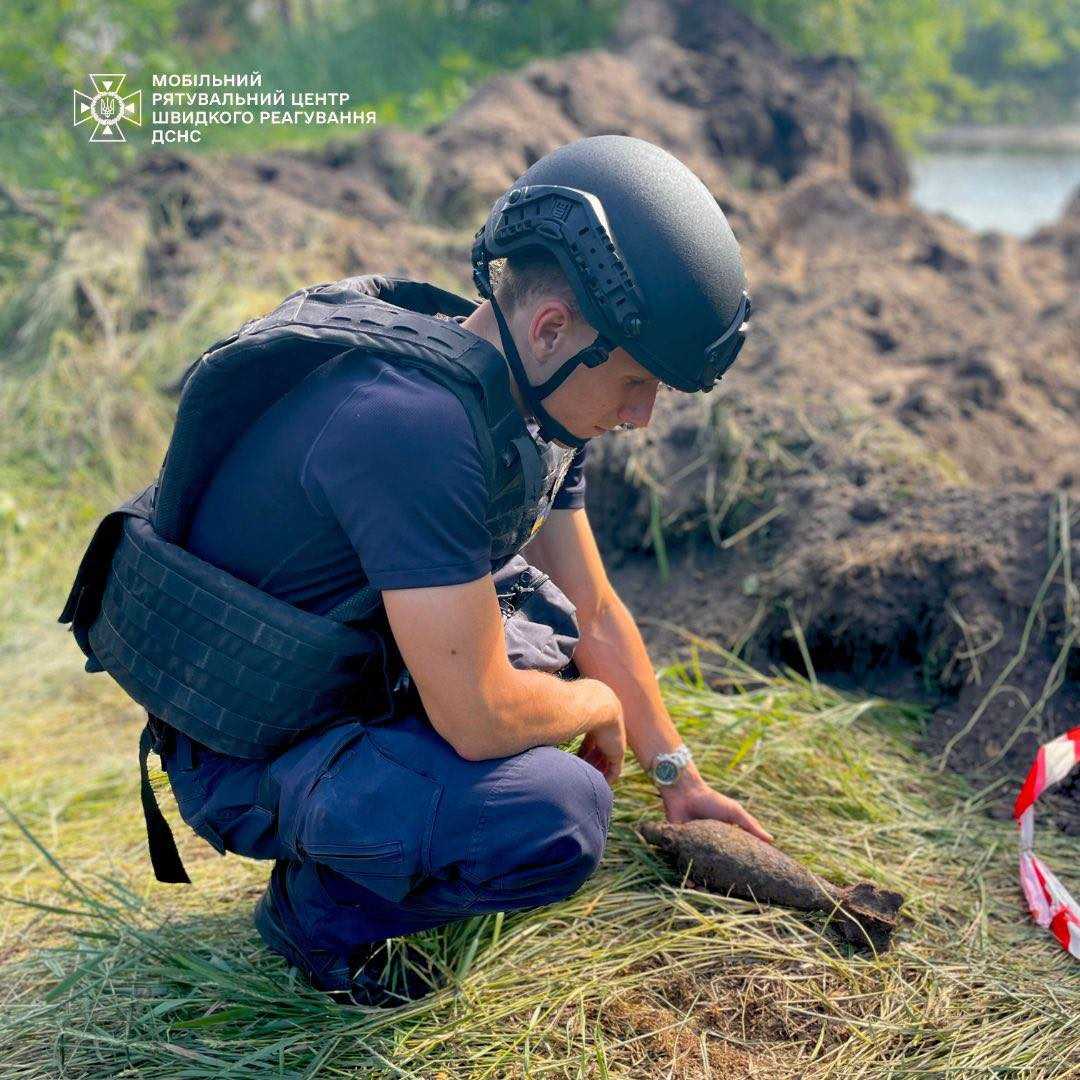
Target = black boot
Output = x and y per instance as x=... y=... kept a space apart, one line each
x=381 y=974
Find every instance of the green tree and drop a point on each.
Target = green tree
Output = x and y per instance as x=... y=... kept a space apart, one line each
x=1023 y=60
x=928 y=62
x=46 y=51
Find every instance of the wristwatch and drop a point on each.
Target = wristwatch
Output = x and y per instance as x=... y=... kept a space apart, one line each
x=667 y=767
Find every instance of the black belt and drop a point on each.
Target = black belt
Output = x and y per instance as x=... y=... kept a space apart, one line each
x=164 y=857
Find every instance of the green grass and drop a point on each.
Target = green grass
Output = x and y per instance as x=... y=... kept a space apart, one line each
x=414 y=62
x=107 y=973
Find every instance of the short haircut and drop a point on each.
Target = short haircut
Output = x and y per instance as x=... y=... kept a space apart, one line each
x=529 y=273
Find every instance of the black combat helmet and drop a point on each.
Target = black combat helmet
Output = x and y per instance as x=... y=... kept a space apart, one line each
x=648 y=252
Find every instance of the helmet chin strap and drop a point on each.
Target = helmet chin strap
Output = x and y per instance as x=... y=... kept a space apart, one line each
x=592 y=355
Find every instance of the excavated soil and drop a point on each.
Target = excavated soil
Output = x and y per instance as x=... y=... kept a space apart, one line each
x=890 y=470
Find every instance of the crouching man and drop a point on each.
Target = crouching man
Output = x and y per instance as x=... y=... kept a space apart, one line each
x=350 y=664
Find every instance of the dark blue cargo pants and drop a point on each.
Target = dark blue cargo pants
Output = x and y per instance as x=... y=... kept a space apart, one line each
x=385 y=830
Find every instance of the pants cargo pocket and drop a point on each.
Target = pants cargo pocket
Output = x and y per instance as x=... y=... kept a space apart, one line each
x=370 y=818
x=248 y=831
x=220 y=798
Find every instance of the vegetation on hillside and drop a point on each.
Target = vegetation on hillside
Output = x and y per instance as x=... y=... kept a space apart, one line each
x=412 y=61
x=928 y=63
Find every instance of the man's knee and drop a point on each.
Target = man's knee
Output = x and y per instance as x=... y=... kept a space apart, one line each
x=543 y=827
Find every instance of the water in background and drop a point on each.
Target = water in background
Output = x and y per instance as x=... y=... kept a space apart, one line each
x=1009 y=191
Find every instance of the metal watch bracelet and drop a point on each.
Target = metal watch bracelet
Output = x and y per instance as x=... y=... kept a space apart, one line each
x=667 y=767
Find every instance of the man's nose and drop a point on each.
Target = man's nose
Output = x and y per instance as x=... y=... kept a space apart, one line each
x=638 y=412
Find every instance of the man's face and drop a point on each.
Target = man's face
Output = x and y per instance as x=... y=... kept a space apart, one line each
x=591 y=400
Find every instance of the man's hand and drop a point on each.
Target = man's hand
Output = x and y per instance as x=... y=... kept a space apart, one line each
x=604 y=747
x=612 y=651
x=690 y=798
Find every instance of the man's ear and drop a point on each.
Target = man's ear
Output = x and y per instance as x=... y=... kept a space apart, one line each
x=550 y=327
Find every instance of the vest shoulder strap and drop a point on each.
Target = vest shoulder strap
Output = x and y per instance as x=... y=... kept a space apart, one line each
x=242 y=375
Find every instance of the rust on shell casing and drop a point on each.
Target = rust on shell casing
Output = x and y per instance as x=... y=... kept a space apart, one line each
x=725 y=859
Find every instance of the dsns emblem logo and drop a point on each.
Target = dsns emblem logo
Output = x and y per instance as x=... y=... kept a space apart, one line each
x=107 y=108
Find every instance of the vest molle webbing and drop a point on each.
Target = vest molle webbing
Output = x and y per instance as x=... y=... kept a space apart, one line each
x=217 y=658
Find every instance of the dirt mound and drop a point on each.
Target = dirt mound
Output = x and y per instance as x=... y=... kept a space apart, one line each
x=775 y=115
x=875 y=485
x=954 y=597
x=1064 y=236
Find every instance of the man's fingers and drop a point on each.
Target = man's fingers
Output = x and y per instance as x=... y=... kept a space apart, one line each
x=605 y=765
x=746 y=821
x=589 y=753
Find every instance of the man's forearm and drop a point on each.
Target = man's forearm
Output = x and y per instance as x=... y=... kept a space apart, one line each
x=536 y=708
x=611 y=650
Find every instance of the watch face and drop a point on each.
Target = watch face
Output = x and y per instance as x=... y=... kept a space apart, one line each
x=665 y=772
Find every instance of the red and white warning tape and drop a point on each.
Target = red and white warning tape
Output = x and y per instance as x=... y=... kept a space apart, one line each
x=1050 y=903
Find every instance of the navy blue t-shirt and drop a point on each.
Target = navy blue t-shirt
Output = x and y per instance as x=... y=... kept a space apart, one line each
x=365 y=470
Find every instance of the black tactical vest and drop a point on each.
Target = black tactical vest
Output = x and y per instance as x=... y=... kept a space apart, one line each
x=219 y=659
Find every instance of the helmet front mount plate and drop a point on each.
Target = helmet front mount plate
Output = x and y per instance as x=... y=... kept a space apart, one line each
x=721 y=353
